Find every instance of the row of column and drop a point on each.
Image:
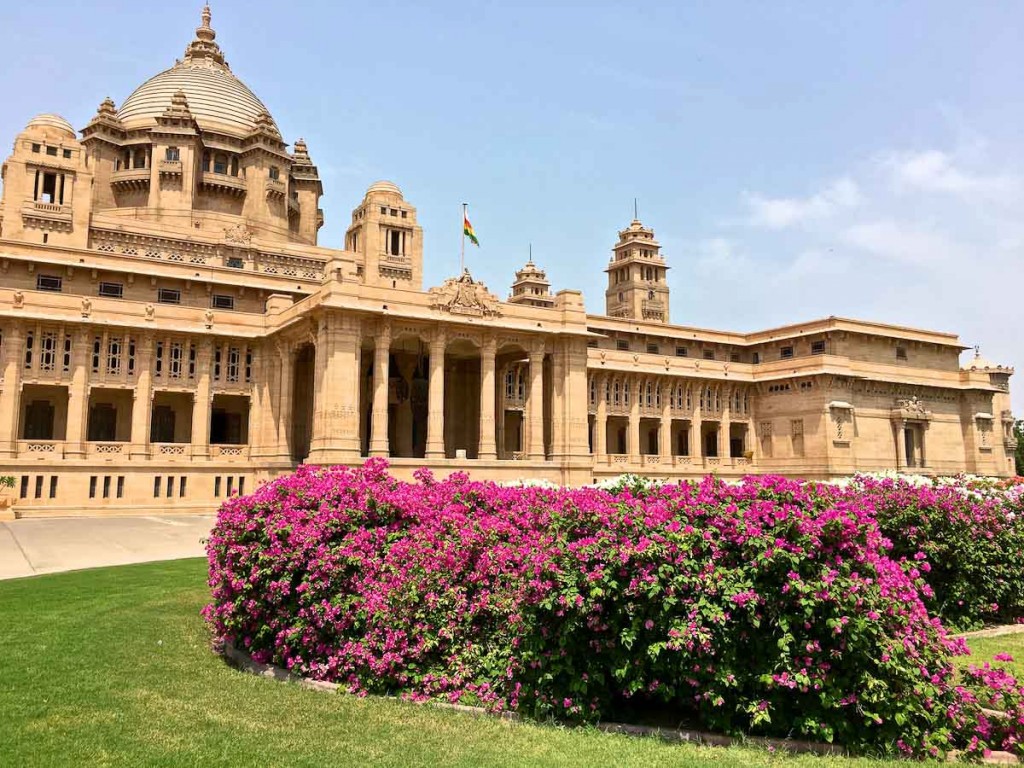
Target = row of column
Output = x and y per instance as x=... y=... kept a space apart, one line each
x=78 y=396
x=696 y=419
x=435 y=445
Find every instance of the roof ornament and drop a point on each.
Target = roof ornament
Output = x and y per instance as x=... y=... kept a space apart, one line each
x=301 y=153
x=203 y=48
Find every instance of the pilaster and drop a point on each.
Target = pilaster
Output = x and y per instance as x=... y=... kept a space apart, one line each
x=10 y=395
x=535 y=404
x=633 y=433
x=335 y=437
x=601 y=423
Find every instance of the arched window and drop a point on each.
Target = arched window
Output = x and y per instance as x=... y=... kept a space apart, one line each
x=206 y=162
x=140 y=158
x=616 y=394
x=234 y=166
x=510 y=383
x=220 y=163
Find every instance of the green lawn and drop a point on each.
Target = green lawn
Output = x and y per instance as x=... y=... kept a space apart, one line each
x=984 y=648
x=112 y=667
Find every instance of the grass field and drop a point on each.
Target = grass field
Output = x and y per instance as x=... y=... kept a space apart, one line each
x=112 y=667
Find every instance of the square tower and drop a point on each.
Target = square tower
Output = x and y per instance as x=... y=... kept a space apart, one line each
x=637 y=285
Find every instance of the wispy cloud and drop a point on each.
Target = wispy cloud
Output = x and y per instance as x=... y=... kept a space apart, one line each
x=935 y=171
x=785 y=212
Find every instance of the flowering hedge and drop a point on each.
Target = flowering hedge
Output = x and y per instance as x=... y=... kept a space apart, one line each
x=971 y=533
x=768 y=607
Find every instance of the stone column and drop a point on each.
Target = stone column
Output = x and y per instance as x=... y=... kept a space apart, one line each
x=601 y=424
x=500 y=417
x=724 y=428
x=487 y=448
x=10 y=395
x=901 y=442
x=665 y=431
x=202 y=401
x=633 y=433
x=78 y=395
x=281 y=426
x=696 y=444
x=255 y=431
x=142 y=406
x=435 y=397
x=379 y=413
x=535 y=404
x=335 y=430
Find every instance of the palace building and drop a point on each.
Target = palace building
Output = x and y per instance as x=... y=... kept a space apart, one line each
x=173 y=333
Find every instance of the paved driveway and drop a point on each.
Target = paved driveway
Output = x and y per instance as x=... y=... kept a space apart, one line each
x=46 y=545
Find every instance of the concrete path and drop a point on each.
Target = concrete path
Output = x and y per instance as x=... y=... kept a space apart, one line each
x=47 y=545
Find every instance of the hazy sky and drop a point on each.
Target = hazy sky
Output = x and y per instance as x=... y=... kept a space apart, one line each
x=796 y=160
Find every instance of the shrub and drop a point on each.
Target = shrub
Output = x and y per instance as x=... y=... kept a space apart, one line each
x=971 y=534
x=767 y=607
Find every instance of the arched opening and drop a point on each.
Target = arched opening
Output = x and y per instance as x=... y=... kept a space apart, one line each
x=461 y=399
x=408 y=390
x=302 y=401
x=512 y=367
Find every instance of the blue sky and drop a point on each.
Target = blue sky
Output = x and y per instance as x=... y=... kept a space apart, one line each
x=796 y=160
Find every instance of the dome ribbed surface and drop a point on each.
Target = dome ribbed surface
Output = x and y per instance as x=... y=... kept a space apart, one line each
x=52 y=121
x=216 y=98
x=384 y=186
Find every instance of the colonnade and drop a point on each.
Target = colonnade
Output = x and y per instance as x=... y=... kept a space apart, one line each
x=694 y=419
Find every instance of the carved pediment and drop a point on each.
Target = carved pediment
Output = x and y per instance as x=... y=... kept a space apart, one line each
x=464 y=296
x=910 y=408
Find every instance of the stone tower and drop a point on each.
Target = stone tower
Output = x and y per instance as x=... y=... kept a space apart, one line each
x=637 y=285
x=531 y=287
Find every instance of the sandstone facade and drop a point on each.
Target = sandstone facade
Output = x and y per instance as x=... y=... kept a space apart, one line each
x=172 y=333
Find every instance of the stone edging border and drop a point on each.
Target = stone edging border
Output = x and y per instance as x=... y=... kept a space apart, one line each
x=243 y=661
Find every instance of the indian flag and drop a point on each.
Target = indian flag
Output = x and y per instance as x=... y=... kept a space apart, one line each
x=467 y=230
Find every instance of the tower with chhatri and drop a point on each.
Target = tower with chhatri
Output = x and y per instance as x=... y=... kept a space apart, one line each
x=637 y=284
x=531 y=287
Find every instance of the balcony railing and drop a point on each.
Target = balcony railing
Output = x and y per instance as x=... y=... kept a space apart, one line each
x=107 y=449
x=41 y=449
x=131 y=177
x=223 y=182
x=49 y=212
x=230 y=452
x=172 y=451
x=170 y=167
x=274 y=187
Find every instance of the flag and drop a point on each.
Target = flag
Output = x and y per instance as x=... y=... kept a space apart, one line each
x=467 y=230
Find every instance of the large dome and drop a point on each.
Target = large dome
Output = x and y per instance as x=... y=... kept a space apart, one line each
x=217 y=99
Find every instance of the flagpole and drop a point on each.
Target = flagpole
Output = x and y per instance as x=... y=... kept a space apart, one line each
x=462 y=250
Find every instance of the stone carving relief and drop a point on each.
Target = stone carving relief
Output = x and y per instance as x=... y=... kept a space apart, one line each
x=913 y=406
x=465 y=296
x=238 y=234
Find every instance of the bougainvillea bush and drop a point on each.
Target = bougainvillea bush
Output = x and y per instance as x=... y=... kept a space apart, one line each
x=970 y=532
x=768 y=607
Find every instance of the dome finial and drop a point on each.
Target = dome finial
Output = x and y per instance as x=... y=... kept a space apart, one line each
x=205 y=31
x=203 y=47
